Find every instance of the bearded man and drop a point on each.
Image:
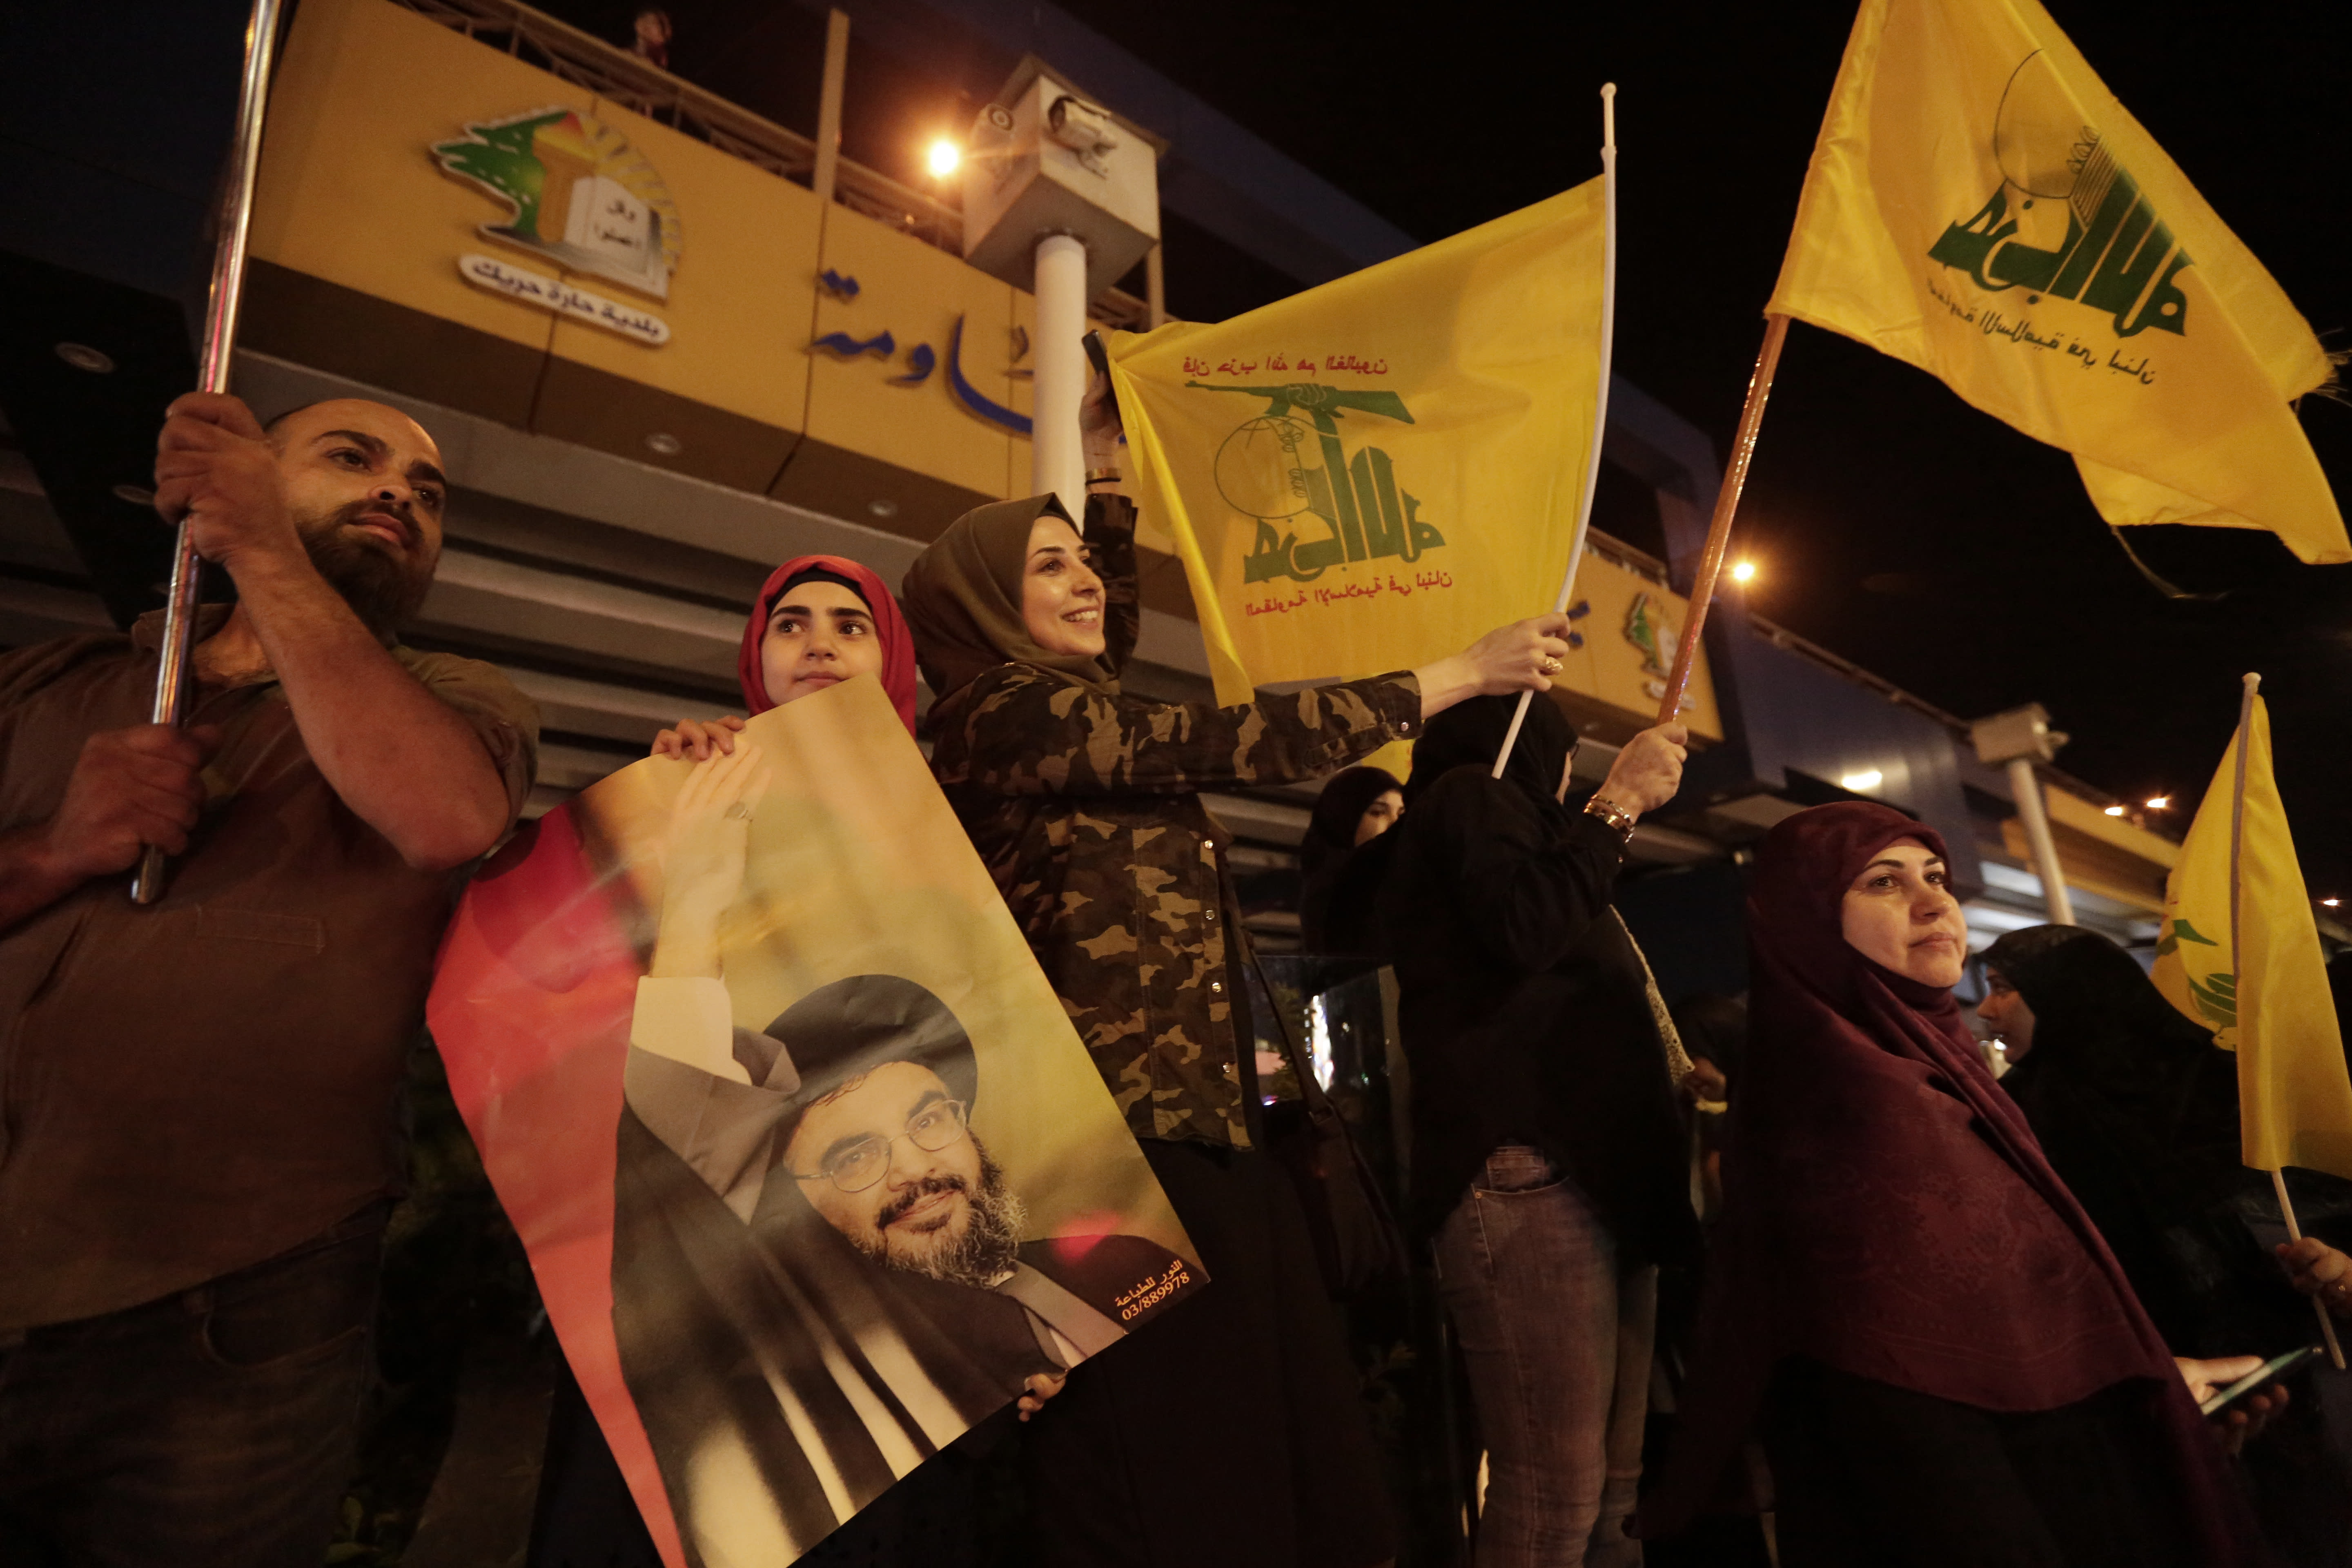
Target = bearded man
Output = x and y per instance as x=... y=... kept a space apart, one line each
x=879 y=1142
x=198 y=1140
x=815 y=1194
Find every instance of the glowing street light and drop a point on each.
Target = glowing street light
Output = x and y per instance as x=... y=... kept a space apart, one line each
x=2331 y=903
x=944 y=158
x=2159 y=801
x=1744 y=572
x=2115 y=810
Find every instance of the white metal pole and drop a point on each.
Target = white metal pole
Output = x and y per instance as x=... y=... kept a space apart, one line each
x=2025 y=787
x=170 y=705
x=1600 y=393
x=828 y=104
x=1057 y=462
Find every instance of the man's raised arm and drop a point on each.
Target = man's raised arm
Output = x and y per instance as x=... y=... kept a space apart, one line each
x=358 y=487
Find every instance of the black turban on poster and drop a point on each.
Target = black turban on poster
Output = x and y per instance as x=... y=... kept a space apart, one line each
x=841 y=1031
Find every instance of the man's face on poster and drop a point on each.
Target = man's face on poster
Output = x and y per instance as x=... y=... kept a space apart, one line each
x=926 y=1198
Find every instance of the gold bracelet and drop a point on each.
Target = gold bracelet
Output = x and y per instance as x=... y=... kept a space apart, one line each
x=1103 y=476
x=1612 y=817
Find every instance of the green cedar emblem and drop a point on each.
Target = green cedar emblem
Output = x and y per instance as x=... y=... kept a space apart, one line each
x=2216 y=994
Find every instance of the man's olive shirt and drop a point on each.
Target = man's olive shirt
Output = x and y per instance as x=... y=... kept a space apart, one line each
x=195 y=1086
x=1082 y=806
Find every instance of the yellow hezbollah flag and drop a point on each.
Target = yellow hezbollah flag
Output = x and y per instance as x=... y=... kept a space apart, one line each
x=1980 y=206
x=1368 y=475
x=2241 y=955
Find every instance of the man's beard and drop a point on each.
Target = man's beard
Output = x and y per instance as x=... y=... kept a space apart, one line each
x=383 y=589
x=991 y=1242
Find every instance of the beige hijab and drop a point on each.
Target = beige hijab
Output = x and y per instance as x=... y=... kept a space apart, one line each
x=962 y=597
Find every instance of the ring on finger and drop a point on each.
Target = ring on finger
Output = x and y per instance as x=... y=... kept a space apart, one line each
x=738 y=812
x=1551 y=665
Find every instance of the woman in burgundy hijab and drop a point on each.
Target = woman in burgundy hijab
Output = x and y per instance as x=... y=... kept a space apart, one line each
x=1946 y=1365
x=819 y=620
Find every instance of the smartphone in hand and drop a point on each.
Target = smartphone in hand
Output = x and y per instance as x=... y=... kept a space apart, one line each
x=2261 y=1376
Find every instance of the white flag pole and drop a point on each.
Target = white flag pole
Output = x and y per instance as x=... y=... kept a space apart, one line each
x=170 y=706
x=1601 y=397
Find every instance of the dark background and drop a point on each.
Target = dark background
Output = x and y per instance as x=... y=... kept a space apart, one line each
x=1891 y=522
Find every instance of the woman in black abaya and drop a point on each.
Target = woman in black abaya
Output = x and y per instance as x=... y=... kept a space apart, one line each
x=2136 y=1109
x=1354 y=811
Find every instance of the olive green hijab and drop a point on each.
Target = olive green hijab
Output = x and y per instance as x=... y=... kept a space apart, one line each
x=962 y=597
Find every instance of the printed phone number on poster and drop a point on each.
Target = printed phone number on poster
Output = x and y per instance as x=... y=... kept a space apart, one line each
x=1151 y=1292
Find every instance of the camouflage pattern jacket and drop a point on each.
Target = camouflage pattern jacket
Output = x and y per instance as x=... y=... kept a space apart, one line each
x=1082 y=806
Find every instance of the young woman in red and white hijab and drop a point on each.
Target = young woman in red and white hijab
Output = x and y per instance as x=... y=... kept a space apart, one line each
x=819 y=620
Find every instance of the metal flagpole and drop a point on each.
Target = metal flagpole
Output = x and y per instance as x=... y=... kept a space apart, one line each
x=2238 y=965
x=1726 y=503
x=1601 y=397
x=171 y=705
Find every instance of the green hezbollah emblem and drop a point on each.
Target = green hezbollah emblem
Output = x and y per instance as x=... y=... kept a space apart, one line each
x=1261 y=471
x=2113 y=254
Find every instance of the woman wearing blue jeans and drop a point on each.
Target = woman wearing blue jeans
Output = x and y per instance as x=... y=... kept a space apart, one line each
x=1548 y=1161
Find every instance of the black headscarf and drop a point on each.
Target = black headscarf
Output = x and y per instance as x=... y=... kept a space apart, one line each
x=2101 y=1025
x=1472 y=732
x=2094 y=1006
x=1337 y=913
x=1339 y=811
x=1341 y=879
x=2136 y=1109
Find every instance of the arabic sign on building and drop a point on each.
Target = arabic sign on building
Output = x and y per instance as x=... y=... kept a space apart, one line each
x=575 y=192
x=497 y=240
x=415 y=241
x=564 y=298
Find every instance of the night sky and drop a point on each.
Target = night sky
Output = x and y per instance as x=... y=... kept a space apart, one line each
x=1893 y=524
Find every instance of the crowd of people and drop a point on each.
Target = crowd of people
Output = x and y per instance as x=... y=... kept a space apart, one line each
x=1946 y=1318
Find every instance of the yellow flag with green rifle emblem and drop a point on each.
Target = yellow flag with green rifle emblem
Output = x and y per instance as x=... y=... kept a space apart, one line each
x=2264 y=990
x=1367 y=476
x=1980 y=206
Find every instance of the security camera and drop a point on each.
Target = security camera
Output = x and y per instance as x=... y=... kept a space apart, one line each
x=992 y=133
x=1084 y=130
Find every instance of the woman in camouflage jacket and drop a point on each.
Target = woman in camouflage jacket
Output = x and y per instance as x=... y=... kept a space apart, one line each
x=1081 y=801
